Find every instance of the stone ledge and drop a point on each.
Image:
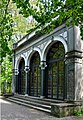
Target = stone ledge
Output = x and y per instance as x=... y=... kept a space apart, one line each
x=8 y=95
x=65 y=109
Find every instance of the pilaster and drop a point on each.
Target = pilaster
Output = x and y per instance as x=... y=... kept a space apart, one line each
x=73 y=71
x=27 y=74
x=16 y=80
x=13 y=80
x=43 y=66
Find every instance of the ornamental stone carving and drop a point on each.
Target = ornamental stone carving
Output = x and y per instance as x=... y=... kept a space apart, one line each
x=64 y=35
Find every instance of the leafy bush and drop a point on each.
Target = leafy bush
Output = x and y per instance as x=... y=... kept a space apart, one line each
x=79 y=113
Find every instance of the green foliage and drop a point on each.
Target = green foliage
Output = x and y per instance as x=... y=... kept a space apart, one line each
x=12 y=27
x=5 y=40
x=6 y=69
x=6 y=87
x=79 y=113
x=5 y=28
x=6 y=73
x=44 y=12
x=20 y=24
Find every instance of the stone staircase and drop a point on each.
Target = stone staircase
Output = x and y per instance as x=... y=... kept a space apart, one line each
x=54 y=107
x=34 y=102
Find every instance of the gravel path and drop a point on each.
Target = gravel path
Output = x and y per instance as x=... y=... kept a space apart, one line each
x=11 y=111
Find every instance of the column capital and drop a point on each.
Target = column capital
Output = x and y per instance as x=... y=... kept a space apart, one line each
x=16 y=71
x=73 y=54
x=73 y=57
x=43 y=64
x=27 y=69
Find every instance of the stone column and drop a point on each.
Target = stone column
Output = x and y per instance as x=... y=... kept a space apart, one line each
x=13 y=71
x=16 y=80
x=27 y=77
x=43 y=66
x=13 y=80
x=73 y=65
x=73 y=73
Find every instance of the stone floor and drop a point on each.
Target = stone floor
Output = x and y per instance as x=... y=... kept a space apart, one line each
x=11 y=111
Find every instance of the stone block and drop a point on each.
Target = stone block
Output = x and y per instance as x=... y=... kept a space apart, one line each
x=64 y=109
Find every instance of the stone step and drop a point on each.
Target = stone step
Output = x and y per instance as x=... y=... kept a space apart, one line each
x=44 y=108
x=58 y=109
x=38 y=103
x=32 y=102
x=38 y=99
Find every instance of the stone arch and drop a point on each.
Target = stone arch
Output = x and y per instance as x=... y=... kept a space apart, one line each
x=51 y=42
x=55 y=71
x=31 y=52
x=21 y=77
x=35 y=75
x=18 y=61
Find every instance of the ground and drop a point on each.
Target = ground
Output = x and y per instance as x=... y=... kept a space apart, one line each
x=11 y=111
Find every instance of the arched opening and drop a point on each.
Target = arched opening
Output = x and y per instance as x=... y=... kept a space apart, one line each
x=21 y=77
x=55 y=71
x=34 y=75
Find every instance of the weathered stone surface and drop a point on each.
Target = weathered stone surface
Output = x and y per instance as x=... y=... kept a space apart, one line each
x=65 y=109
x=73 y=46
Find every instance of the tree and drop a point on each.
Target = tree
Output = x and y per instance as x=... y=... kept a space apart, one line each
x=12 y=27
x=5 y=37
x=20 y=24
x=6 y=72
x=5 y=29
x=53 y=12
x=6 y=69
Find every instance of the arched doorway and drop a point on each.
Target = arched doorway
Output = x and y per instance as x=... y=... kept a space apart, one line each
x=21 y=77
x=34 y=75
x=55 y=71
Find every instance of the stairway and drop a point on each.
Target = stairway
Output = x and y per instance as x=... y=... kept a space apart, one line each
x=34 y=102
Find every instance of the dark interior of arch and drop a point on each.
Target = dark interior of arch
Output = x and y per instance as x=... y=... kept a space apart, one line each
x=21 y=77
x=55 y=71
x=34 y=75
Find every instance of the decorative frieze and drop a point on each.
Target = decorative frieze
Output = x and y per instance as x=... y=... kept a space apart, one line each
x=73 y=60
x=73 y=57
x=73 y=53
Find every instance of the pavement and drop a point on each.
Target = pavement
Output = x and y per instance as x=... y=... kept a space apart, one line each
x=12 y=111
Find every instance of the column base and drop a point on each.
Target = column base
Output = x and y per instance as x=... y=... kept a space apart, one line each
x=42 y=97
x=26 y=95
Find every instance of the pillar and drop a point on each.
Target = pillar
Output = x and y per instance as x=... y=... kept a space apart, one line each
x=73 y=65
x=13 y=70
x=13 y=81
x=43 y=66
x=16 y=81
x=74 y=75
x=27 y=78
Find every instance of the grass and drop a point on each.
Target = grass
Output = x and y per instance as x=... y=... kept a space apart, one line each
x=79 y=113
